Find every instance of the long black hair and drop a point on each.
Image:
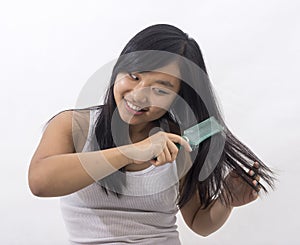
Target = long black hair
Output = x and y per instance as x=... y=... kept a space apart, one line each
x=234 y=156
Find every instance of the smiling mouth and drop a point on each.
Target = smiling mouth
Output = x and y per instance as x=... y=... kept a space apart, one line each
x=133 y=107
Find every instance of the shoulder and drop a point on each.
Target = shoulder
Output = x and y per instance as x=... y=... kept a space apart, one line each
x=56 y=138
x=73 y=123
x=83 y=125
x=81 y=117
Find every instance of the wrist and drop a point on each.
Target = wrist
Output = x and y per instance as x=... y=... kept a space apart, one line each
x=126 y=153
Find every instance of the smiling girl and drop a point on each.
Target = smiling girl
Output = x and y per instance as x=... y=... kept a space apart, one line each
x=119 y=171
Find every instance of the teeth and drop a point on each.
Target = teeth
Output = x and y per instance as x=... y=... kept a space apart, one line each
x=136 y=108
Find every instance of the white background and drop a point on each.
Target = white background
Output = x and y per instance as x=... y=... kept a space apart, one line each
x=49 y=49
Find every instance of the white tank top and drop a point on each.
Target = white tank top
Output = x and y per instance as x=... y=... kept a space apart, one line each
x=92 y=217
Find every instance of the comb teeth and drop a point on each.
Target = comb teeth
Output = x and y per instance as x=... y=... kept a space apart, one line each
x=201 y=131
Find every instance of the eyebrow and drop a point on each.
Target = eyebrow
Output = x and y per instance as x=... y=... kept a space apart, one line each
x=166 y=83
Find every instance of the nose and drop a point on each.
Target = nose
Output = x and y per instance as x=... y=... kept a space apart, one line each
x=140 y=94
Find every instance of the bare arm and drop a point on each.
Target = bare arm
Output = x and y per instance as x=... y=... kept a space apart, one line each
x=210 y=220
x=59 y=167
x=203 y=222
x=66 y=173
x=56 y=169
x=218 y=213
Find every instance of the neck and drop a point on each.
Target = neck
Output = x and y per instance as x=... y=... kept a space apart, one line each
x=140 y=132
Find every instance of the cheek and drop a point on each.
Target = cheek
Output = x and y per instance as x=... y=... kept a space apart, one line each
x=120 y=87
x=158 y=110
x=163 y=103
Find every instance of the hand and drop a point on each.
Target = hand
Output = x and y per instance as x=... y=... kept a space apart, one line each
x=160 y=146
x=241 y=191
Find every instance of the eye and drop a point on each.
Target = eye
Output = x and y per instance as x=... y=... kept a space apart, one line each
x=134 y=77
x=160 y=91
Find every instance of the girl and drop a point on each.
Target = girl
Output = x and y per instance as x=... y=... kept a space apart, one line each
x=116 y=166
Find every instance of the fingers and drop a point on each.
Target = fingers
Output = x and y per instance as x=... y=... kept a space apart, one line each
x=161 y=158
x=254 y=175
x=164 y=157
x=178 y=139
x=173 y=150
x=169 y=151
x=256 y=178
x=255 y=192
x=168 y=154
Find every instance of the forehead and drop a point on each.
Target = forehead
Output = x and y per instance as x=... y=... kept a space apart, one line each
x=171 y=69
x=168 y=75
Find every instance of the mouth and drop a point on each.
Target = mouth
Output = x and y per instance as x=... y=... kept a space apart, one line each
x=134 y=108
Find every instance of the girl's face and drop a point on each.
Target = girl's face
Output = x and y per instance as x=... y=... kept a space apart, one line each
x=142 y=97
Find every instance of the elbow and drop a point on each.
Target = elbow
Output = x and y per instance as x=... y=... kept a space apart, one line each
x=203 y=234
x=36 y=184
x=35 y=187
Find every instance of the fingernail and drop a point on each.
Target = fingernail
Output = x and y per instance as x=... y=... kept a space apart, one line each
x=190 y=148
x=252 y=172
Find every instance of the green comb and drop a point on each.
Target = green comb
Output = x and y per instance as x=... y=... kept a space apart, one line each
x=200 y=132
